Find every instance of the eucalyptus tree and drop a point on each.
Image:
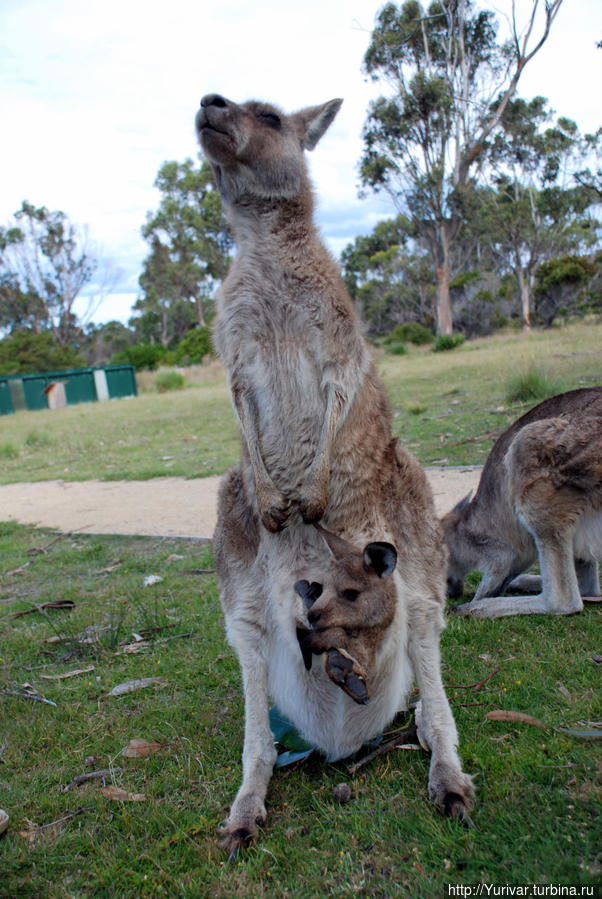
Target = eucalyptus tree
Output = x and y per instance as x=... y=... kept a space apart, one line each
x=189 y=252
x=539 y=209
x=46 y=265
x=425 y=139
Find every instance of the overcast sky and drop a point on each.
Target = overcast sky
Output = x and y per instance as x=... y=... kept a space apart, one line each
x=95 y=96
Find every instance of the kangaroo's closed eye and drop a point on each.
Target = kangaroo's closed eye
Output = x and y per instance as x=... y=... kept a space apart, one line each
x=270 y=118
x=350 y=595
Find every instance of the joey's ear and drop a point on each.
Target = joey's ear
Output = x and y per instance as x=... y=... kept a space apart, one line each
x=308 y=592
x=314 y=120
x=380 y=558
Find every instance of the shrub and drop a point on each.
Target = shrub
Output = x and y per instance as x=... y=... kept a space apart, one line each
x=8 y=451
x=532 y=385
x=396 y=349
x=142 y=355
x=24 y=352
x=448 y=342
x=169 y=380
x=410 y=332
x=193 y=348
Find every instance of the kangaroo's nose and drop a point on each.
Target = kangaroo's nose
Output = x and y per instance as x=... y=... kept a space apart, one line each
x=214 y=100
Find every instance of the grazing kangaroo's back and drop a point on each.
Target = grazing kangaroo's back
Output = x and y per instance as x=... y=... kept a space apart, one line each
x=317 y=446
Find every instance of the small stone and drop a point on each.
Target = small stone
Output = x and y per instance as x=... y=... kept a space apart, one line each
x=342 y=793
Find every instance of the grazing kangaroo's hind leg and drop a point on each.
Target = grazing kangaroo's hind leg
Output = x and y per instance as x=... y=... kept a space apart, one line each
x=450 y=789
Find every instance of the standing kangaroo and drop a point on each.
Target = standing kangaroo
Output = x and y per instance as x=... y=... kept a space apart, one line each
x=540 y=495
x=366 y=587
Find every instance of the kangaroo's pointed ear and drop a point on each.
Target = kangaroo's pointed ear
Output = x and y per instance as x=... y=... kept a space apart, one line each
x=462 y=504
x=339 y=548
x=313 y=121
x=380 y=558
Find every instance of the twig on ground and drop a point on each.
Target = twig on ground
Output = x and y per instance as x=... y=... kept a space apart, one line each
x=102 y=774
x=403 y=737
x=41 y=607
x=475 y=686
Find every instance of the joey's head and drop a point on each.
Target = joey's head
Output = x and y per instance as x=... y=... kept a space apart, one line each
x=460 y=544
x=256 y=151
x=349 y=611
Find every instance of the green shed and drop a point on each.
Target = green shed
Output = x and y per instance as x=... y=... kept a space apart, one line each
x=82 y=385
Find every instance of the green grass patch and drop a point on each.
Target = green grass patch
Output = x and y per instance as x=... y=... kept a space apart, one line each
x=169 y=380
x=445 y=342
x=193 y=432
x=538 y=797
x=532 y=386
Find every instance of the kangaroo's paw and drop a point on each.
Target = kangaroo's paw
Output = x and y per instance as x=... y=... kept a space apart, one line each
x=313 y=502
x=274 y=510
x=452 y=792
x=247 y=817
x=347 y=674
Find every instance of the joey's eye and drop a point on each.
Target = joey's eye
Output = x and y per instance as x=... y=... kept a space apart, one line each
x=270 y=118
x=350 y=595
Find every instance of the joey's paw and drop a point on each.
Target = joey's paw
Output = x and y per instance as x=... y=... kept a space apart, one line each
x=242 y=827
x=347 y=674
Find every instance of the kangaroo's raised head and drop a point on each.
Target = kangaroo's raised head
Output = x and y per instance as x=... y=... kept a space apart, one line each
x=348 y=611
x=255 y=149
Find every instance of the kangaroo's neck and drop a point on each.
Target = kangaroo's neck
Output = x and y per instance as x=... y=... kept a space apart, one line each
x=279 y=228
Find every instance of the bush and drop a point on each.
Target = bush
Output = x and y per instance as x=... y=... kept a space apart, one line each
x=396 y=349
x=410 y=332
x=169 y=380
x=141 y=356
x=448 y=342
x=193 y=348
x=24 y=352
x=532 y=385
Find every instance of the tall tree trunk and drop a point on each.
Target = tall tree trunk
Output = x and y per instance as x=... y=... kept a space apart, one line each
x=443 y=300
x=199 y=311
x=525 y=299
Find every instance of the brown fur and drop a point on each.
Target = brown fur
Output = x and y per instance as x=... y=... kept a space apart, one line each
x=540 y=495
x=317 y=445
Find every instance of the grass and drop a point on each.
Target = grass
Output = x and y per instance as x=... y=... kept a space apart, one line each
x=538 y=800
x=538 y=791
x=193 y=432
x=532 y=386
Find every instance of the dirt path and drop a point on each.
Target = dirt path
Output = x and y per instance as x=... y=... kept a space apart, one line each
x=169 y=507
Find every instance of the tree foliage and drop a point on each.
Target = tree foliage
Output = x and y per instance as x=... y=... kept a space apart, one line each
x=25 y=352
x=46 y=262
x=424 y=140
x=189 y=251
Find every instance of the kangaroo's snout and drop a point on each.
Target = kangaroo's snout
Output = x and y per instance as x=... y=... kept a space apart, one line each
x=214 y=100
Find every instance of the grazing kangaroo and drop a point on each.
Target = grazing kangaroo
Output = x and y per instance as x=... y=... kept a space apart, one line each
x=540 y=495
x=366 y=587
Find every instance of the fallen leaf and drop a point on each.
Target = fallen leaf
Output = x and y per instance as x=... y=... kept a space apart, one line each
x=140 y=749
x=131 y=685
x=503 y=715
x=133 y=647
x=151 y=579
x=120 y=795
x=584 y=734
x=175 y=557
x=67 y=673
x=562 y=689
